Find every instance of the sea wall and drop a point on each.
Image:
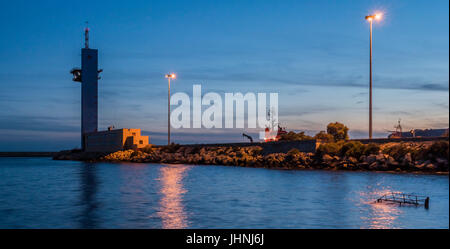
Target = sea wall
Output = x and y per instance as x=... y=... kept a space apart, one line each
x=399 y=157
x=424 y=156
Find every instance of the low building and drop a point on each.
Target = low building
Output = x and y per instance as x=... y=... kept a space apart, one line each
x=114 y=140
x=420 y=133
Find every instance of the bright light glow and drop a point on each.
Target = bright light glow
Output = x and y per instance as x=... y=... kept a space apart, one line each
x=378 y=16
x=369 y=18
x=171 y=76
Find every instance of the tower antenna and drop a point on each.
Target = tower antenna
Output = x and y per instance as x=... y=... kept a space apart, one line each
x=86 y=35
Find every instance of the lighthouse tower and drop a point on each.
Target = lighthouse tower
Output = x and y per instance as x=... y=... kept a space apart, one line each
x=88 y=75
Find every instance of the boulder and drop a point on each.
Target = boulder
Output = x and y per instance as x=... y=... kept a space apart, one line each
x=420 y=166
x=188 y=150
x=442 y=162
x=431 y=166
x=352 y=160
x=373 y=166
x=326 y=158
x=391 y=161
x=371 y=159
x=407 y=159
x=380 y=157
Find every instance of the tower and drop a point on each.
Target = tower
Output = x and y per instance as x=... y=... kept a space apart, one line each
x=88 y=75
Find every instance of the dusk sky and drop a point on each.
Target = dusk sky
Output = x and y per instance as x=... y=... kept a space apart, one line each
x=315 y=54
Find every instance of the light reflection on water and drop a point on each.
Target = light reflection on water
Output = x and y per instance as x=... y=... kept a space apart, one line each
x=381 y=215
x=172 y=210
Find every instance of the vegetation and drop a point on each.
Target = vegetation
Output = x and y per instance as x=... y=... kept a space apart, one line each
x=329 y=149
x=338 y=131
x=439 y=149
x=292 y=136
x=335 y=132
x=371 y=149
x=399 y=151
x=345 y=155
x=354 y=149
x=324 y=137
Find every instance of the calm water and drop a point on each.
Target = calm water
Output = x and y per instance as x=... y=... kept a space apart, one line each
x=42 y=193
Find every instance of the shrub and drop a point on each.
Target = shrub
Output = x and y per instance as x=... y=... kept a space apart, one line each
x=352 y=149
x=329 y=148
x=371 y=149
x=439 y=149
x=398 y=151
x=324 y=137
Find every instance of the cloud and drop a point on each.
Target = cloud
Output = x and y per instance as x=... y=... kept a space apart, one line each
x=432 y=87
x=38 y=123
x=405 y=113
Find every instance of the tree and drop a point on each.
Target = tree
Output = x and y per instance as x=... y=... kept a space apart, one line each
x=323 y=136
x=338 y=131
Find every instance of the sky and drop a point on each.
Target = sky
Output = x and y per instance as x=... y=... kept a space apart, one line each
x=314 y=54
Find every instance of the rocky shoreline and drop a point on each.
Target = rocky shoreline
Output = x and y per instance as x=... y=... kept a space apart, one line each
x=430 y=157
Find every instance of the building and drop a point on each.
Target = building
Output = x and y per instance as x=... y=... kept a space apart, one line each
x=114 y=140
x=420 y=133
x=91 y=139
x=88 y=76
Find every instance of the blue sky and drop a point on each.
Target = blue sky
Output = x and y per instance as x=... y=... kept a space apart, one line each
x=313 y=53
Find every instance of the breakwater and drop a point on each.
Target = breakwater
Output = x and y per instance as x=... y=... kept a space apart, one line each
x=345 y=155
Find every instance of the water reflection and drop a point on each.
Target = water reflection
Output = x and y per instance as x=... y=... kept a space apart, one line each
x=89 y=187
x=172 y=211
x=380 y=215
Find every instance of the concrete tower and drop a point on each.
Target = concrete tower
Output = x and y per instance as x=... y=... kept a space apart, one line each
x=88 y=76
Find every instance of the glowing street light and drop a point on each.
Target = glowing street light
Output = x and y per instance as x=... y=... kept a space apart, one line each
x=370 y=19
x=169 y=77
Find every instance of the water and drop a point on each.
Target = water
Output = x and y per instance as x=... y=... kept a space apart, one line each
x=42 y=193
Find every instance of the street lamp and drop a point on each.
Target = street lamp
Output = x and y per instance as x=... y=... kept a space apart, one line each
x=370 y=19
x=169 y=77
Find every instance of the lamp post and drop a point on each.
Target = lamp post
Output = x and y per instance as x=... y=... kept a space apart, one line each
x=370 y=18
x=169 y=77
